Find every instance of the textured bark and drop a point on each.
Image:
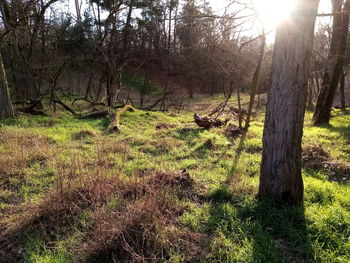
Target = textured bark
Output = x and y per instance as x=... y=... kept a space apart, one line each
x=6 y=107
x=280 y=176
x=334 y=65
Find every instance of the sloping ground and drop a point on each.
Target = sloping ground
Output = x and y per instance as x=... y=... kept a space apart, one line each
x=71 y=193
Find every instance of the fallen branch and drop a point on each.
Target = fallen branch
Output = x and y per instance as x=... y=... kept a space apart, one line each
x=58 y=101
x=31 y=108
x=207 y=122
x=92 y=103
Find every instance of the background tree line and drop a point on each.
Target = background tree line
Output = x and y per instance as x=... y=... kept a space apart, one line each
x=177 y=46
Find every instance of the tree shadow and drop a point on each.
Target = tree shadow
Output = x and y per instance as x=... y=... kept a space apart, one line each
x=236 y=159
x=343 y=130
x=275 y=232
x=280 y=233
x=187 y=133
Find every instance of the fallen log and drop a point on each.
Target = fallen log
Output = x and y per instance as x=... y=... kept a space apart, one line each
x=114 y=126
x=207 y=122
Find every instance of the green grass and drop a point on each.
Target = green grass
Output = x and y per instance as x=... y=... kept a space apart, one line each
x=235 y=225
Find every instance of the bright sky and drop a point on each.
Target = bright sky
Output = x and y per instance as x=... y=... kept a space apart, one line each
x=270 y=12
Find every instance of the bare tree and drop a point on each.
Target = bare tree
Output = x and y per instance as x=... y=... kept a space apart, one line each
x=335 y=60
x=6 y=108
x=280 y=176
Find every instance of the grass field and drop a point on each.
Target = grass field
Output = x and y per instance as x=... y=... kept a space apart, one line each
x=69 y=192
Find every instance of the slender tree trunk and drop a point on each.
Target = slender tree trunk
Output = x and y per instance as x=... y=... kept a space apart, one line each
x=255 y=82
x=334 y=65
x=280 y=175
x=342 y=90
x=78 y=10
x=309 y=93
x=239 y=106
x=6 y=107
x=174 y=31
x=89 y=86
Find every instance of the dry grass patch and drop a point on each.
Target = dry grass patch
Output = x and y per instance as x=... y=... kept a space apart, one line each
x=142 y=228
x=21 y=149
x=121 y=147
x=316 y=158
x=84 y=134
x=58 y=211
x=145 y=231
x=19 y=152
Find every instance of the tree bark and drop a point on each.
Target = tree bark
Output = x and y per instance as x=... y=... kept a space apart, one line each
x=309 y=94
x=280 y=175
x=334 y=65
x=342 y=91
x=6 y=107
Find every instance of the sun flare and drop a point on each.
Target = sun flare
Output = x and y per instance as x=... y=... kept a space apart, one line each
x=273 y=12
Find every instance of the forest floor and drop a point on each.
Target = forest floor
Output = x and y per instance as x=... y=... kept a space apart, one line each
x=69 y=192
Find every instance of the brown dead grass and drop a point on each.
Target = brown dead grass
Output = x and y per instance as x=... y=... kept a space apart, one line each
x=160 y=146
x=316 y=158
x=144 y=228
x=21 y=149
x=84 y=134
x=313 y=157
x=142 y=232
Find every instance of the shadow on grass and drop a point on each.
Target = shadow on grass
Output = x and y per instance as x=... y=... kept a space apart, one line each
x=257 y=230
x=342 y=127
x=343 y=130
x=280 y=233
x=233 y=168
x=251 y=230
x=188 y=133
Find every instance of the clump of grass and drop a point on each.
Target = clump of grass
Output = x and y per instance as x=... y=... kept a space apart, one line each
x=121 y=146
x=147 y=230
x=84 y=134
x=314 y=156
x=58 y=210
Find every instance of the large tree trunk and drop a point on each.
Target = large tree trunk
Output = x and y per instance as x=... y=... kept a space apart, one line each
x=334 y=65
x=6 y=107
x=280 y=176
x=25 y=82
